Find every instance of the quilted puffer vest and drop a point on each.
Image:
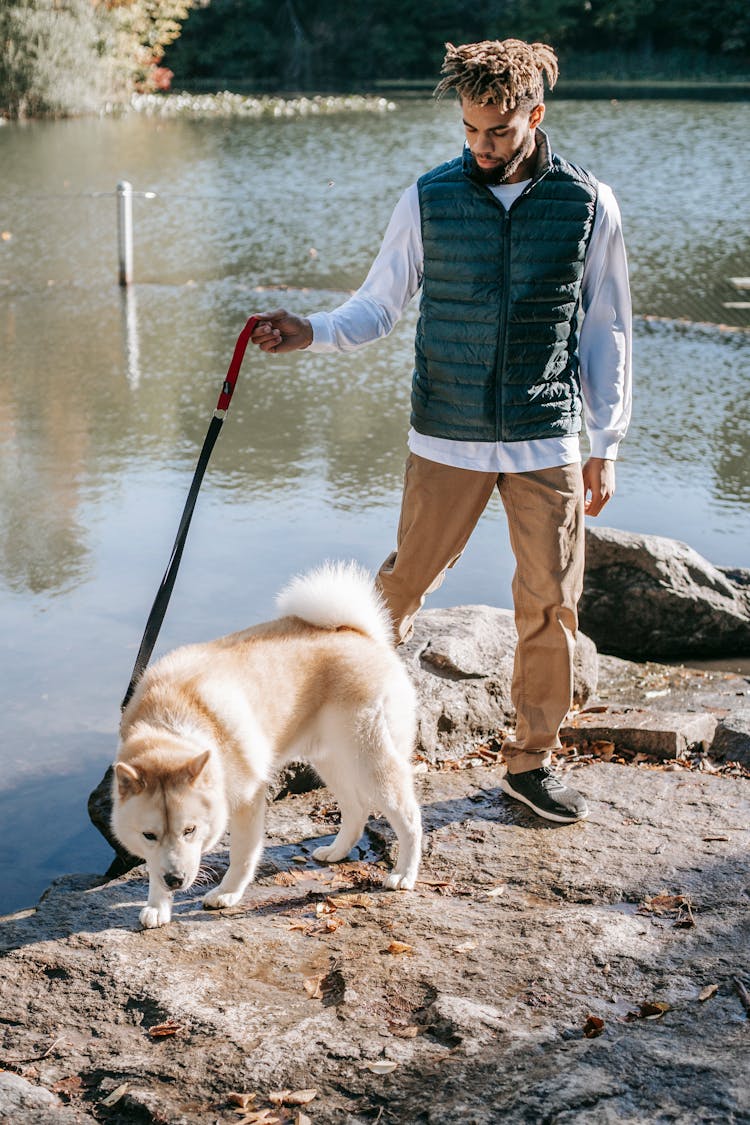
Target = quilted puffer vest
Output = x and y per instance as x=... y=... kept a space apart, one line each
x=496 y=344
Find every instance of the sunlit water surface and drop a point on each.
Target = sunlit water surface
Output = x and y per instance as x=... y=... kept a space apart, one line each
x=104 y=401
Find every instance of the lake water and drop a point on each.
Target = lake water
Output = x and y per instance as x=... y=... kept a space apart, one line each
x=104 y=401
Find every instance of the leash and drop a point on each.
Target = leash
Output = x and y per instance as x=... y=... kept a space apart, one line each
x=163 y=594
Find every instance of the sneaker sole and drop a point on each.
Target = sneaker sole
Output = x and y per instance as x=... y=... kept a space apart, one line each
x=572 y=819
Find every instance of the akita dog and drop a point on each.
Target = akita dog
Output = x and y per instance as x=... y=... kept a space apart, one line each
x=209 y=724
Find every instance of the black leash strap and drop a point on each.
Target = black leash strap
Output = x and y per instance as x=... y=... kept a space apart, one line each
x=161 y=601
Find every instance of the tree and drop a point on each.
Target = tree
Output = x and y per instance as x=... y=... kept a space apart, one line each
x=54 y=59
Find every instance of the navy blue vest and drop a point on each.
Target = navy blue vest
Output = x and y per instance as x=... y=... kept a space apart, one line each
x=496 y=344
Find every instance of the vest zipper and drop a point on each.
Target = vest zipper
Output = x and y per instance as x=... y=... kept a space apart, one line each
x=502 y=335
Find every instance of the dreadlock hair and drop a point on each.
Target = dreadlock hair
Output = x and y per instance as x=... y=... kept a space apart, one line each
x=502 y=72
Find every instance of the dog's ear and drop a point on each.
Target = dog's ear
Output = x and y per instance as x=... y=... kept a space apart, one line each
x=129 y=780
x=192 y=770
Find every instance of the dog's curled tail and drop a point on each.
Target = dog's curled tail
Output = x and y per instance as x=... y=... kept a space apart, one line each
x=338 y=594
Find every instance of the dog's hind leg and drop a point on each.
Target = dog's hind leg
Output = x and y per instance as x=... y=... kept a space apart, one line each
x=353 y=818
x=393 y=793
x=402 y=812
x=245 y=849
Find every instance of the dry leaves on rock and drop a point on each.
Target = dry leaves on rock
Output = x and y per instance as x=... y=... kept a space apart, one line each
x=707 y=992
x=165 y=1030
x=380 y=1066
x=593 y=1026
x=314 y=986
x=292 y=1097
x=358 y=901
x=649 y=1010
x=116 y=1095
x=397 y=947
x=68 y=1087
x=403 y=1030
x=677 y=907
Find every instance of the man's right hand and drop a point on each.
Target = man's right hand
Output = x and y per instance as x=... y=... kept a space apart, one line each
x=282 y=331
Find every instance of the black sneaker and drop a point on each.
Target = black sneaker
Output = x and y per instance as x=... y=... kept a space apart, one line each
x=543 y=792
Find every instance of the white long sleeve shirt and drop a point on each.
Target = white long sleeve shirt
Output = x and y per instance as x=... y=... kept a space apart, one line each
x=604 y=344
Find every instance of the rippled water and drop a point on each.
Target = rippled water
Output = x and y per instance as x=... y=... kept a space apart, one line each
x=104 y=400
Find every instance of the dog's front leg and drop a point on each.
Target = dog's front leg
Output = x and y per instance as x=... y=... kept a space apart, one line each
x=245 y=848
x=158 y=908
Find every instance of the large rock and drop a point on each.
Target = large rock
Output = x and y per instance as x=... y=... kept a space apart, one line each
x=461 y=663
x=646 y=596
x=518 y=932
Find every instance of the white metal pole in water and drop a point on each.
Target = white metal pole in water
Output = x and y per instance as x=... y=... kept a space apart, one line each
x=125 y=231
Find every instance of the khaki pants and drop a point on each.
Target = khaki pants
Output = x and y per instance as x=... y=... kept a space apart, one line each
x=439 y=510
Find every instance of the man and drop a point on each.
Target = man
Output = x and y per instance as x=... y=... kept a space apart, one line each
x=510 y=244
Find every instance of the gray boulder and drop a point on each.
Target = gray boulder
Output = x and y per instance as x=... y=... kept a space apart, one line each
x=461 y=663
x=732 y=738
x=646 y=596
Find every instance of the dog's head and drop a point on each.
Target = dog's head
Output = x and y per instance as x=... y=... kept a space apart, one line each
x=166 y=808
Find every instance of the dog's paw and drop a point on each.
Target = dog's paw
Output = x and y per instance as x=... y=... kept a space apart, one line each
x=325 y=854
x=152 y=916
x=396 y=882
x=219 y=900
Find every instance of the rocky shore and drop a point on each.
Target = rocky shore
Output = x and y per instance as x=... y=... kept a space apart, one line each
x=592 y=973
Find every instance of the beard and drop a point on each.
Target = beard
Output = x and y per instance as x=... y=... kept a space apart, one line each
x=502 y=172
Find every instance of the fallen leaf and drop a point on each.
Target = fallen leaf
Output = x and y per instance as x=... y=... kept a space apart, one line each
x=332 y=924
x=299 y=859
x=466 y=947
x=244 y=1101
x=286 y=878
x=653 y=1009
x=403 y=1030
x=292 y=1097
x=328 y=906
x=397 y=947
x=499 y=890
x=164 y=1030
x=707 y=992
x=314 y=986
x=362 y=902
x=302 y=1119
x=593 y=1026
x=6 y=236
x=114 y=1097
x=381 y=1066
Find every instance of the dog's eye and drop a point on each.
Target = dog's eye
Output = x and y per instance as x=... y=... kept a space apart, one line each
x=149 y=836
x=189 y=831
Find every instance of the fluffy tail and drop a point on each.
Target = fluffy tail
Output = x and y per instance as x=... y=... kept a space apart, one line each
x=336 y=594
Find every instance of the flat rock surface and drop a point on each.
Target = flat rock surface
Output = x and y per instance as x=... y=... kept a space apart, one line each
x=468 y=1000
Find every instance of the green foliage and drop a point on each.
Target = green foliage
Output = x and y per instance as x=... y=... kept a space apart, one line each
x=337 y=44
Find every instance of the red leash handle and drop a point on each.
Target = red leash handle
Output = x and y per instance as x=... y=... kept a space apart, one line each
x=234 y=367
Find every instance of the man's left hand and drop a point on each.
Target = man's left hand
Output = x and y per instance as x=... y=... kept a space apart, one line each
x=598 y=484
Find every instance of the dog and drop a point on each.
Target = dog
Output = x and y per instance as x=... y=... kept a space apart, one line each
x=209 y=724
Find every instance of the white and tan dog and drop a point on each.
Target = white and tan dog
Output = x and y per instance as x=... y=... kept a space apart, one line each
x=209 y=724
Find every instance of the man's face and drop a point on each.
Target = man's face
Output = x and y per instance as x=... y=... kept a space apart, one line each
x=501 y=143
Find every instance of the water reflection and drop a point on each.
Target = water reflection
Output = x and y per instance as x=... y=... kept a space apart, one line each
x=132 y=346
